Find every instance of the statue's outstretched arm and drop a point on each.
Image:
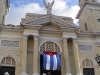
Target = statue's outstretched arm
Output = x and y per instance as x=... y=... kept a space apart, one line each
x=45 y=4
x=52 y=4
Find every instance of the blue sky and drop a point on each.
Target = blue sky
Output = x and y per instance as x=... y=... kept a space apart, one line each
x=19 y=8
x=20 y=2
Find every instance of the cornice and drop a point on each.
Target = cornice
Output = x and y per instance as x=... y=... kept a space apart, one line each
x=12 y=30
x=88 y=34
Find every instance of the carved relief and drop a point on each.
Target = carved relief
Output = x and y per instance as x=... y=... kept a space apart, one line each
x=85 y=47
x=8 y=43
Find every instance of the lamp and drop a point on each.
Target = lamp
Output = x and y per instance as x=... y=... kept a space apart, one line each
x=98 y=59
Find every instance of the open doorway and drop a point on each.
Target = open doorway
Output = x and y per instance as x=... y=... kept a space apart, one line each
x=4 y=69
x=88 y=71
x=55 y=72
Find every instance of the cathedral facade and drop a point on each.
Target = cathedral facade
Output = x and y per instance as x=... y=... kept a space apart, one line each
x=22 y=46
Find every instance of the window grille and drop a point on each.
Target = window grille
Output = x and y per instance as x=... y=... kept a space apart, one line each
x=8 y=61
x=87 y=62
x=49 y=46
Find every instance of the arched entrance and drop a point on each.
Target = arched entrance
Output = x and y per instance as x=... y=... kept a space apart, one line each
x=50 y=47
x=7 y=65
x=88 y=67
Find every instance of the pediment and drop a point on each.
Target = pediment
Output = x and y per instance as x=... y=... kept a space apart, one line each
x=50 y=19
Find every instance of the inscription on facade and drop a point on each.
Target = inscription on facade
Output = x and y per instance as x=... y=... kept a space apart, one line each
x=8 y=43
x=85 y=47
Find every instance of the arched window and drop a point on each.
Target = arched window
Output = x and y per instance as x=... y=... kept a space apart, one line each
x=49 y=46
x=87 y=62
x=86 y=28
x=8 y=61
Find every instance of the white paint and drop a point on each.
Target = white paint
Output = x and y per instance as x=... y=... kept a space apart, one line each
x=55 y=62
x=48 y=63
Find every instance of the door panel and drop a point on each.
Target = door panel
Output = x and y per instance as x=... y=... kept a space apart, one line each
x=10 y=70
x=88 y=71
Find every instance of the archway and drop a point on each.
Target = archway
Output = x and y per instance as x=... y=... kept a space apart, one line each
x=7 y=65
x=88 y=67
x=50 y=47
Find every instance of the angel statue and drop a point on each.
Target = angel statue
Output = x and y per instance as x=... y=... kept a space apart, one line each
x=48 y=6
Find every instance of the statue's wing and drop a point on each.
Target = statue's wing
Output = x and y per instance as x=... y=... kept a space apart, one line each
x=45 y=4
x=52 y=4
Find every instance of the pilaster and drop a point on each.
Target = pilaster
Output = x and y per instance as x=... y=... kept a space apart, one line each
x=66 y=56
x=76 y=57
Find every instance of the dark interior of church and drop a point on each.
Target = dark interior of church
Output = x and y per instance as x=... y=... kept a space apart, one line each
x=52 y=72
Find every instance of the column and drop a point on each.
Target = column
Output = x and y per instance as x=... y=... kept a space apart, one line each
x=66 y=57
x=35 y=56
x=76 y=57
x=24 y=55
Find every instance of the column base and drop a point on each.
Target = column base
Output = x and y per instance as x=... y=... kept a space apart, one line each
x=35 y=74
x=78 y=74
x=23 y=73
x=68 y=74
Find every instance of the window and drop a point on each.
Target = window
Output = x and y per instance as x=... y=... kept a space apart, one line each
x=86 y=28
x=8 y=61
x=87 y=62
x=49 y=46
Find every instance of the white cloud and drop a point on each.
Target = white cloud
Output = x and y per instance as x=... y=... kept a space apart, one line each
x=60 y=8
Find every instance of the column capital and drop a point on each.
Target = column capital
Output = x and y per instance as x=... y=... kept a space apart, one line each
x=74 y=39
x=35 y=37
x=64 y=39
x=25 y=37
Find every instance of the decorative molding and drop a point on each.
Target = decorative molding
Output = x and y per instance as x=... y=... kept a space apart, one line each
x=25 y=37
x=31 y=33
x=35 y=37
x=65 y=40
x=69 y=36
